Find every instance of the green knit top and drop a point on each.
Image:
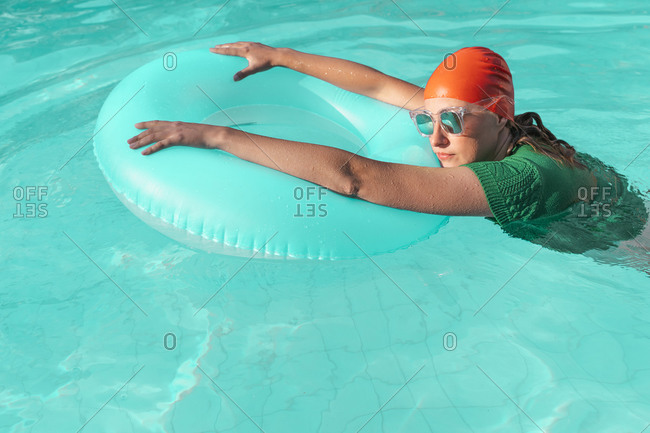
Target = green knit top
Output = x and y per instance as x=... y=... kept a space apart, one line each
x=529 y=184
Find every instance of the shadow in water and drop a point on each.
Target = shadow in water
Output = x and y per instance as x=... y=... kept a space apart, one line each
x=608 y=224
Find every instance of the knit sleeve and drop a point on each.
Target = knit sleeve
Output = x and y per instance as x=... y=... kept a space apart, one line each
x=513 y=187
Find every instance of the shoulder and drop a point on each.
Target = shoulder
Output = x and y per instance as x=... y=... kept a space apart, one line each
x=529 y=184
x=512 y=186
x=528 y=162
x=521 y=169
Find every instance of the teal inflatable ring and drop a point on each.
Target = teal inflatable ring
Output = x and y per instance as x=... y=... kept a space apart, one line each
x=212 y=200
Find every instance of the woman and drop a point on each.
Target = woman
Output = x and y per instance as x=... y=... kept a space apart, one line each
x=493 y=164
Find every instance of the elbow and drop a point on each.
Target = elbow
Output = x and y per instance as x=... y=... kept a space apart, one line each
x=352 y=187
x=351 y=179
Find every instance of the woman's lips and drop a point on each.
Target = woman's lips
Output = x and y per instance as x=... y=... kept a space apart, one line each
x=442 y=156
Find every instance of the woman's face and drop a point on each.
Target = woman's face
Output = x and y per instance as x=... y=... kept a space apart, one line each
x=484 y=136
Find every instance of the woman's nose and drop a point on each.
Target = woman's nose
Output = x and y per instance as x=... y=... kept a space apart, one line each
x=438 y=137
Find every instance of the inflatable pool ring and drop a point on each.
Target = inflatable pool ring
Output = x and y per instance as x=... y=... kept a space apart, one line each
x=214 y=201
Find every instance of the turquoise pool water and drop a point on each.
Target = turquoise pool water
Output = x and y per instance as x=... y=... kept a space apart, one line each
x=109 y=326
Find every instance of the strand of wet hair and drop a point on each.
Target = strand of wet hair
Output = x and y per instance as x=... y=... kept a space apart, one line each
x=524 y=131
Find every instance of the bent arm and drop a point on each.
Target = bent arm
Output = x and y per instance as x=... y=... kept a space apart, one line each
x=450 y=191
x=354 y=77
x=442 y=191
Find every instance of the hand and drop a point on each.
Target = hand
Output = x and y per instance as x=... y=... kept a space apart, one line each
x=260 y=57
x=166 y=134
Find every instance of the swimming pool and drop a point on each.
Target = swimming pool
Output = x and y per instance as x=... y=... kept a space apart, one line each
x=109 y=326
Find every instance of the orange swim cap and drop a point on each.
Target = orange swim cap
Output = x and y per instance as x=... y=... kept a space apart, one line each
x=474 y=74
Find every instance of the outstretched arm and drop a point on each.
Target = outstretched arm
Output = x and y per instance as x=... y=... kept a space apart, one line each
x=355 y=77
x=348 y=75
x=442 y=191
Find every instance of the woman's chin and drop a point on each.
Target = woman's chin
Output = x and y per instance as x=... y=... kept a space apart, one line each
x=449 y=160
x=448 y=164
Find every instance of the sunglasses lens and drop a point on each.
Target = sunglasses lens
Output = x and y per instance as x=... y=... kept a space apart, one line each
x=451 y=122
x=424 y=123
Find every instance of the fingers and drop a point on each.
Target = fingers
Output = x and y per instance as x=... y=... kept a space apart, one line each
x=227 y=49
x=240 y=48
x=248 y=50
x=141 y=139
x=146 y=137
x=148 y=124
x=237 y=44
x=162 y=144
x=155 y=133
x=242 y=74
